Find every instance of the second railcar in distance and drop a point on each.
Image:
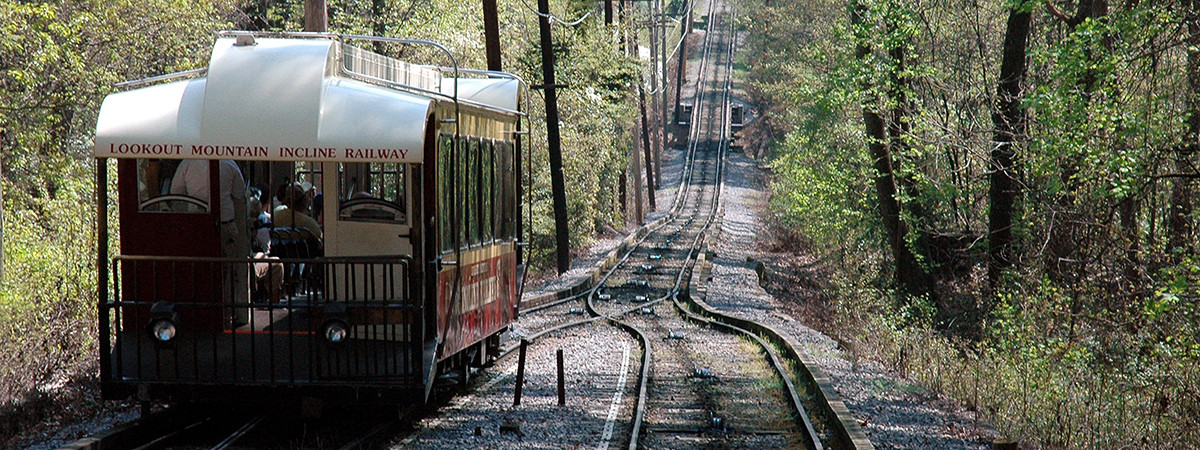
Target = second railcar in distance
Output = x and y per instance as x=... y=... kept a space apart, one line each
x=305 y=218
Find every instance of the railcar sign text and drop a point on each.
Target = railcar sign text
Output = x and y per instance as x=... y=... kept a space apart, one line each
x=254 y=152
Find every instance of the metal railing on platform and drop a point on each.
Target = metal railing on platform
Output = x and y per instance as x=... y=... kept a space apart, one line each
x=276 y=321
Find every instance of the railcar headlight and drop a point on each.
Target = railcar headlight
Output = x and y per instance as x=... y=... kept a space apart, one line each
x=164 y=322
x=335 y=331
x=163 y=330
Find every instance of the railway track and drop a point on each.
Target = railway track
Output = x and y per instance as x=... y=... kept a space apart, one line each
x=701 y=379
x=706 y=386
x=707 y=379
x=219 y=427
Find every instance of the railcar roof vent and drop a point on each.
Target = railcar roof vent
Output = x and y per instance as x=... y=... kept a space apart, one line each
x=243 y=40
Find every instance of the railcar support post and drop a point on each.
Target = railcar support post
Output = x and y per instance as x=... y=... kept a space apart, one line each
x=102 y=270
x=561 y=234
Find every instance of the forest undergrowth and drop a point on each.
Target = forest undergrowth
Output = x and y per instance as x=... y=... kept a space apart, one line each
x=997 y=201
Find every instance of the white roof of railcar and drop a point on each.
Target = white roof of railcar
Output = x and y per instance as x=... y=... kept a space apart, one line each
x=288 y=100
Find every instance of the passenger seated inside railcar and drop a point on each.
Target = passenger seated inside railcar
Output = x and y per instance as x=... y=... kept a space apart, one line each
x=294 y=213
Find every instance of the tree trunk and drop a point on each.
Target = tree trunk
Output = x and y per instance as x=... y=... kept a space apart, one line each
x=1179 y=222
x=909 y=275
x=1131 y=233
x=1009 y=120
x=635 y=173
x=1068 y=267
x=899 y=127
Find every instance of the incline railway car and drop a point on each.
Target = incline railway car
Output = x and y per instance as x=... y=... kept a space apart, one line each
x=306 y=219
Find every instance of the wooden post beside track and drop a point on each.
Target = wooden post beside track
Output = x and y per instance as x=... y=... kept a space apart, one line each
x=520 y=371
x=562 y=391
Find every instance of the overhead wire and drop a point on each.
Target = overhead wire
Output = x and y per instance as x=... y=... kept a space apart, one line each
x=674 y=51
x=554 y=18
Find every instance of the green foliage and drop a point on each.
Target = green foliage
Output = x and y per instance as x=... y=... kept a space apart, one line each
x=595 y=139
x=48 y=300
x=60 y=58
x=1099 y=129
x=1093 y=339
x=57 y=61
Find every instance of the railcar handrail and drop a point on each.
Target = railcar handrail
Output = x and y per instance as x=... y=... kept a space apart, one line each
x=170 y=76
x=345 y=37
x=379 y=259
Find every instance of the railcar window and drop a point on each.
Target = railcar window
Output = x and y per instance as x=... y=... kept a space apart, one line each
x=507 y=190
x=267 y=179
x=473 y=192
x=460 y=187
x=308 y=173
x=445 y=191
x=371 y=192
x=161 y=186
x=487 y=184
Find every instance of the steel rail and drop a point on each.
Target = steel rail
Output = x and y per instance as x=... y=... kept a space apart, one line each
x=240 y=432
x=812 y=438
x=681 y=198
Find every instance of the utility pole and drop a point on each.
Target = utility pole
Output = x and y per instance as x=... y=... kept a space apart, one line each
x=491 y=35
x=634 y=170
x=662 y=93
x=636 y=173
x=646 y=144
x=315 y=20
x=2 y=209
x=654 y=149
x=378 y=25
x=315 y=17
x=683 y=32
x=561 y=233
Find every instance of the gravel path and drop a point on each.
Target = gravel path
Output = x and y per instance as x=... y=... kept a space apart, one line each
x=897 y=413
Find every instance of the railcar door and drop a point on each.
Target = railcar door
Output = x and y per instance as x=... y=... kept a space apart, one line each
x=160 y=218
x=370 y=216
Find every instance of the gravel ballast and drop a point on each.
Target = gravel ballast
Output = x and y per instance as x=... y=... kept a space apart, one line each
x=598 y=401
x=894 y=412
